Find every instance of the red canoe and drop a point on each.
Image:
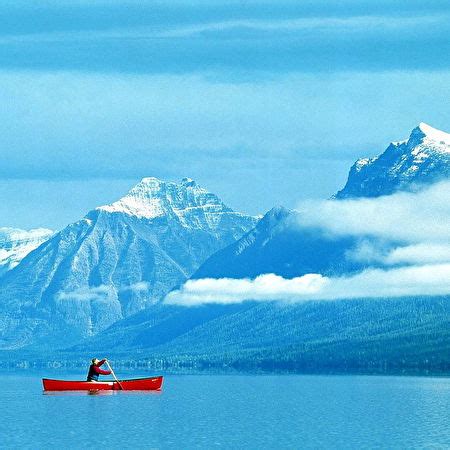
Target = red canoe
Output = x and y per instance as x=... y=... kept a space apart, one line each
x=138 y=384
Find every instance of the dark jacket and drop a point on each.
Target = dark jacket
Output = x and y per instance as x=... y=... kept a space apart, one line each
x=95 y=371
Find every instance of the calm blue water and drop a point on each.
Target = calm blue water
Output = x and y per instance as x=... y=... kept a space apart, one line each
x=204 y=411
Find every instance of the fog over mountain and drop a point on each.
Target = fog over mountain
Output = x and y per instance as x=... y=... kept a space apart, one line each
x=344 y=283
x=292 y=243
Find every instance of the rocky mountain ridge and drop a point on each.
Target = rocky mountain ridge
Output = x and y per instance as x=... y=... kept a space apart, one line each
x=116 y=261
x=423 y=158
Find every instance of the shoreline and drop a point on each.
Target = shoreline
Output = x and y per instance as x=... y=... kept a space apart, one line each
x=132 y=366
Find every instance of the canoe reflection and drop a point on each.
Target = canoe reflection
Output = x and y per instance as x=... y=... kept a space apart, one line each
x=99 y=392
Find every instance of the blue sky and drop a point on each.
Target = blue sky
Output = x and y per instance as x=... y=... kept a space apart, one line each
x=262 y=102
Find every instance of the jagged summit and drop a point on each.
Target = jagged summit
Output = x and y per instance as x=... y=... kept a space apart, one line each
x=426 y=132
x=423 y=158
x=116 y=261
x=152 y=198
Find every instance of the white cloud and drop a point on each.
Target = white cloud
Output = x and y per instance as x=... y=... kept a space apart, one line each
x=344 y=25
x=98 y=293
x=403 y=228
x=369 y=251
x=419 y=254
x=371 y=283
x=375 y=251
x=413 y=217
x=408 y=230
x=263 y=288
x=140 y=286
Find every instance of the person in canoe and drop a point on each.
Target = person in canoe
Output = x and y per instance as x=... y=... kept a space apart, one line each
x=95 y=371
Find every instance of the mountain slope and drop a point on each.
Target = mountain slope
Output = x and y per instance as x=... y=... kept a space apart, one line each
x=366 y=334
x=409 y=332
x=15 y=244
x=422 y=159
x=279 y=245
x=116 y=261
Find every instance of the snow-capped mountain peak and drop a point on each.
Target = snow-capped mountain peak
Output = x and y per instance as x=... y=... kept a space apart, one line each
x=421 y=159
x=143 y=200
x=152 y=198
x=425 y=133
x=116 y=261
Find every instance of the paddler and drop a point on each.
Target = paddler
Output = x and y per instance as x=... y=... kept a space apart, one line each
x=95 y=371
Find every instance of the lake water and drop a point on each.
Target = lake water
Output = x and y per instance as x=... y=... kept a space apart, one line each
x=231 y=411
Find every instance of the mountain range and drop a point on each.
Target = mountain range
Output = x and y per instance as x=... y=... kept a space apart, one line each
x=366 y=334
x=110 y=272
x=117 y=260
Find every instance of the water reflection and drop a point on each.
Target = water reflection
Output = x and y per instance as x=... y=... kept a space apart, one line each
x=254 y=412
x=99 y=392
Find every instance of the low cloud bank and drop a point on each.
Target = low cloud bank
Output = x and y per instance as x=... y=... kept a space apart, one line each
x=383 y=252
x=417 y=222
x=420 y=253
x=411 y=217
x=372 y=283
x=101 y=293
x=407 y=233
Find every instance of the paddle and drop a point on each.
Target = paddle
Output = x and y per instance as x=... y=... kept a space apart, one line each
x=113 y=374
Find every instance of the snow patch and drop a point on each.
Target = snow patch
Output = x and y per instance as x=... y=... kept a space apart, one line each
x=434 y=134
x=15 y=244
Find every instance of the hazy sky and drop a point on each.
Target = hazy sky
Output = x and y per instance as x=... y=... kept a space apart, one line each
x=262 y=102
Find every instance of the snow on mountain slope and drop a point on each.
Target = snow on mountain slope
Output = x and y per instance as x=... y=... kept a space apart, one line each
x=338 y=331
x=187 y=202
x=422 y=159
x=116 y=261
x=15 y=244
